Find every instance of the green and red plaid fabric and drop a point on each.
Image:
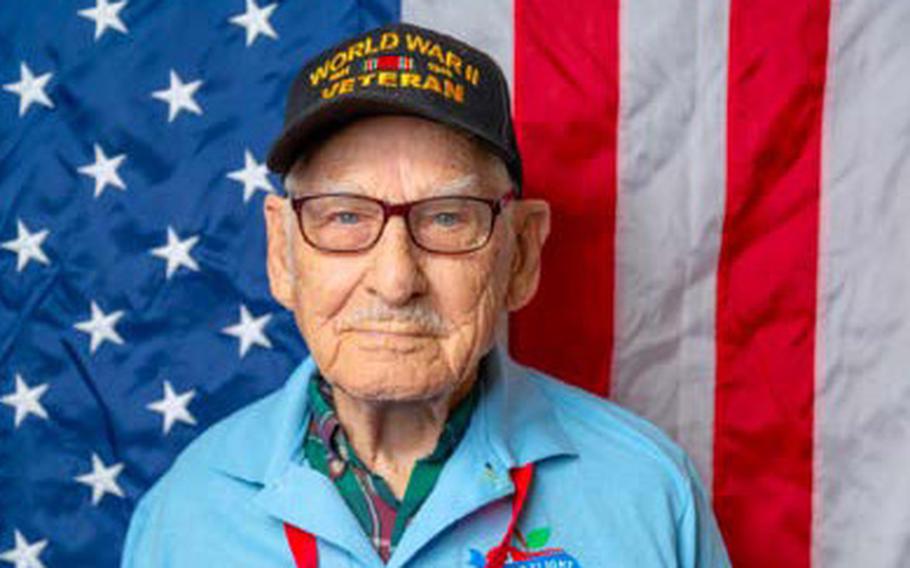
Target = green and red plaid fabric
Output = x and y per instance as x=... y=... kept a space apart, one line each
x=381 y=515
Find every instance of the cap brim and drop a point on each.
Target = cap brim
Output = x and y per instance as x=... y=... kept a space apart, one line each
x=321 y=121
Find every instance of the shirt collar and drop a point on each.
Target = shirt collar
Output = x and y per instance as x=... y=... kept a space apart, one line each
x=517 y=417
x=517 y=422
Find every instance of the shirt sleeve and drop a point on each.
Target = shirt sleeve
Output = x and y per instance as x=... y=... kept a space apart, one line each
x=144 y=546
x=699 y=542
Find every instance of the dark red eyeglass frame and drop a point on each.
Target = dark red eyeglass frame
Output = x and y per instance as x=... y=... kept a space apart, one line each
x=404 y=209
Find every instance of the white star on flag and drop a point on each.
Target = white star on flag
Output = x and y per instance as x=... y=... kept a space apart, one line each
x=101 y=327
x=102 y=479
x=27 y=246
x=176 y=252
x=179 y=96
x=104 y=171
x=25 y=400
x=253 y=176
x=23 y=554
x=30 y=89
x=173 y=407
x=105 y=16
x=256 y=21
x=249 y=331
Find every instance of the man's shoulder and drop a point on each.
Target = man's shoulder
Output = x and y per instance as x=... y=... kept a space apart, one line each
x=237 y=435
x=223 y=450
x=212 y=478
x=612 y=438
x=629 y=471
x=243 y=443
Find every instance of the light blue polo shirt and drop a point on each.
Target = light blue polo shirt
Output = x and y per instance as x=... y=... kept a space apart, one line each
x=609 y=490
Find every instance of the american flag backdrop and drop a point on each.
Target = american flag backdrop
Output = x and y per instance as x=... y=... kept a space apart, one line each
x=730 y=255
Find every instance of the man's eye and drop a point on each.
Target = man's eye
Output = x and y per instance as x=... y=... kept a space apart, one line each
x=446 y=219
x=345 y=217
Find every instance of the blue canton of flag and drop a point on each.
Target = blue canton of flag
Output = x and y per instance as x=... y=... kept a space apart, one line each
x=134 y=305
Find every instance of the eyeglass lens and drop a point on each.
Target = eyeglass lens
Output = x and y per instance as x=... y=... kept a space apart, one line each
x=350 y=223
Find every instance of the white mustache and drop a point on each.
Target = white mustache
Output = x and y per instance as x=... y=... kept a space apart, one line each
x=418 y=315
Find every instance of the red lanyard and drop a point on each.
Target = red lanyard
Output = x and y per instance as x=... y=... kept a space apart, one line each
x=303 y=547
x=306 y=555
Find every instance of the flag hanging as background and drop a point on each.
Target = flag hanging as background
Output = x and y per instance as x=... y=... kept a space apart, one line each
x=730 y=254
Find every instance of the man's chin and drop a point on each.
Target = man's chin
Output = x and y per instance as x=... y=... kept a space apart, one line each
x=402 y=391
x=401 y=374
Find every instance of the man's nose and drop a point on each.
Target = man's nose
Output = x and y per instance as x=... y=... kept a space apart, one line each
x=396 y=275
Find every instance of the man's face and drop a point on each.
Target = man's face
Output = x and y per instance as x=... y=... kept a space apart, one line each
x=395 y=322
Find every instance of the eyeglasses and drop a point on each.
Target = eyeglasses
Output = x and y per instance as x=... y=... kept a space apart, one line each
x=345 y=222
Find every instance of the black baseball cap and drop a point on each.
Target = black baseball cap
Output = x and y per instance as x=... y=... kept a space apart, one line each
x=398 y=69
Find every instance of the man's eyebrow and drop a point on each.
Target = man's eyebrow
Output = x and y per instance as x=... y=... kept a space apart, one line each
x=459 y=186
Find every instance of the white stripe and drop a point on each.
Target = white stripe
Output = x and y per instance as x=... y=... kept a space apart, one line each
x=862 y=404
x=486 y=24
x=670 y=203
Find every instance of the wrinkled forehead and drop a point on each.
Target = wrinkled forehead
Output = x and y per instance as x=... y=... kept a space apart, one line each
x=467 y=184
x=398 y=158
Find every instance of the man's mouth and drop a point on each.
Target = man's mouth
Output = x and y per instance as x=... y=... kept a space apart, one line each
x=394 y=331
x=393 y=339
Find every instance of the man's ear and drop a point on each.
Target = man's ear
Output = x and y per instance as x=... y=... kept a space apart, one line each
x=280 y=274
x=531 y=223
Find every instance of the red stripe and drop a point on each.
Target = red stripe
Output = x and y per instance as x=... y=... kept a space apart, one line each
x=766 y=288
x=566 y=96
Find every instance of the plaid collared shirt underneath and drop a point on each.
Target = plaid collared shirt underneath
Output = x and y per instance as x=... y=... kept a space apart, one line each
x=382 y=516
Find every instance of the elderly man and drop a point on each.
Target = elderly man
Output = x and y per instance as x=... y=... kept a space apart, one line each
x=409 y=438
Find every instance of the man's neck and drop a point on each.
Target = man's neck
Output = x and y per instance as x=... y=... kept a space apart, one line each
x=389 y=437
